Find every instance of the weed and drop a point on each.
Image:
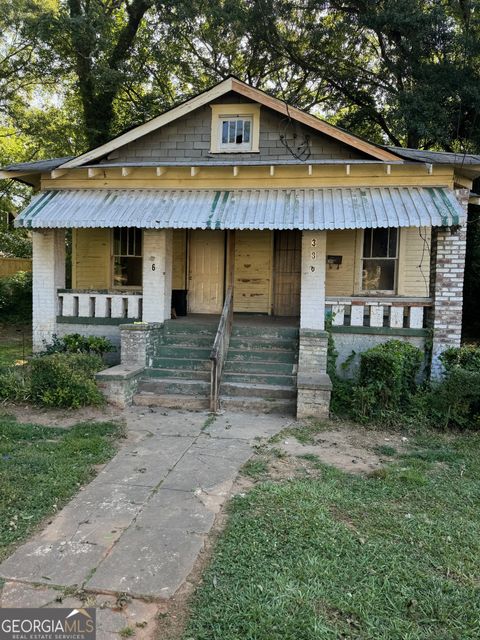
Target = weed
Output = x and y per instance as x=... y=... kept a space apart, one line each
x=255 y=467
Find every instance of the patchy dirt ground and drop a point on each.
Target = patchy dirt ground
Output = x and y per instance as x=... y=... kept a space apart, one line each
x=352 y=449
x=60 y=417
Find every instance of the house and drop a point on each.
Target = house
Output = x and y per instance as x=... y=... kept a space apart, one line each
x=258 y=221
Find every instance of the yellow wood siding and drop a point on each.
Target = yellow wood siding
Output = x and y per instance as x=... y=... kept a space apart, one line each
x=340 y=282
x=253 y=271
x=414 y=267
x=91 y=262
x=254 y=177
x=412 y=280
x=179 y=259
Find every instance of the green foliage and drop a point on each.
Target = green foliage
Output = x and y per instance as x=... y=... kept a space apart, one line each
x=16 y=297
x=466 y=357
x=65 y=380
x=41 y=468
x=386 y=392
x=388 y=373
x=15 y=243
x=76 y=343
x=14 y=383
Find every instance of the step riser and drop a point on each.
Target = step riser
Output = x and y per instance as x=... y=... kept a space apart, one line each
x=287 y=357
x=181 y=363
x=256 y=344
x=279 y=368
x=175 y=328
x=177 y=373
x=159 y=386
x=182 y=351
x=186 y=340
x=258 y=379
x=189 y=403
x=266 y=333
x=248 y=405
x=238 y=390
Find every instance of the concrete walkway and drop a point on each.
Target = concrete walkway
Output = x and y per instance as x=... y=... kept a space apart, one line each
x=138 y=528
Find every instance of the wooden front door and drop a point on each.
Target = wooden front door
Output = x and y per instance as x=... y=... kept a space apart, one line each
x=206 y=271
x=287 y=273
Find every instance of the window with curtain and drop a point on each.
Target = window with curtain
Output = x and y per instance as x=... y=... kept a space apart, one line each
x=379 y=261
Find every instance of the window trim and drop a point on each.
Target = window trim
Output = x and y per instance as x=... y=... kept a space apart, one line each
x=377 y=292
x=245 y=110
x=113 y=255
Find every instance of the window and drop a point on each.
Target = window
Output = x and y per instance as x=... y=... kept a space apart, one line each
x=235 y=128
x=235 y=133
x=379 y=262
x=127 y=257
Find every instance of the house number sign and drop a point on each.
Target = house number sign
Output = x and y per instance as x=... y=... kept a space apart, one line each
x=313 y=254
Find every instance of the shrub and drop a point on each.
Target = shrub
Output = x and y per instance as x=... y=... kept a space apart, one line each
x=76 y=343
x=14 y=383
x=16 y=297
x=65 y=380
x=466 y=357
x=390 y=371
x=455 y=401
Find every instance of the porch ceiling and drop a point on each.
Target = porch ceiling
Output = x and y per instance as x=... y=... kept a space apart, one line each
x=309 y=209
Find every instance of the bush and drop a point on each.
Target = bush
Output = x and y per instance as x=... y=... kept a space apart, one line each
x=65 y=380
x=76 y=343
x=388 y=375
x=16 y=297
x=14 y=383
x=466 y=357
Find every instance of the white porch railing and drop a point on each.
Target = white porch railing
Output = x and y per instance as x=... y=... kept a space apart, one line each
x=395 y=313
x=93 y=304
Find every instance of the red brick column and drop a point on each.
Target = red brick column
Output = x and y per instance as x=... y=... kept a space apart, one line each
x=448 y=265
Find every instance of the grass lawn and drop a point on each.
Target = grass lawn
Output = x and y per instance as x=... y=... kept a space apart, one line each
x=395 y=555
x=41 y=468
x=14 y=340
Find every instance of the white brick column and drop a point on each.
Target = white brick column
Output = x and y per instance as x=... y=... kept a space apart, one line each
x=313 y=383
x=48 y=276
x=312 y=293
x=447 y=269
x=157 y=274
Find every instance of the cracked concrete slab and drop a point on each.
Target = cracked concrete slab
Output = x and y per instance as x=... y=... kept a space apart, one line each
x=139 y=526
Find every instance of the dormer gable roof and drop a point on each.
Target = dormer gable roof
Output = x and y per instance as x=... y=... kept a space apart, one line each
x=232 y=84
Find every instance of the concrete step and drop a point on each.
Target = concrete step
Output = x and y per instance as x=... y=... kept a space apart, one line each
x=265 y=355
x=188 y=340
x=264 y=331
x=183 y=351
x=171 y=401
x=248 y=404
x=257 y=342
x=277 y=368
x=245 y=389
x=182 y=386
x=258 y=378
x=187 y=374
x=172 y=327
x=181 y=363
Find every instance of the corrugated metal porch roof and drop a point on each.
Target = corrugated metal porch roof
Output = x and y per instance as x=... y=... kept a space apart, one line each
x=309 y=209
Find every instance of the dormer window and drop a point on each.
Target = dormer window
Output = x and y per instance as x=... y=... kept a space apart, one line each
x=236 y=133
x=235 y=128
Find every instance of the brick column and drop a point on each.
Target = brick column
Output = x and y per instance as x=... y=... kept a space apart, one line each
x=313 y=383
x=48 y=275
x=157 y=274
x=447 y=269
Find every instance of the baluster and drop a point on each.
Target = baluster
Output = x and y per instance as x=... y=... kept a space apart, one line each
x=396 y=317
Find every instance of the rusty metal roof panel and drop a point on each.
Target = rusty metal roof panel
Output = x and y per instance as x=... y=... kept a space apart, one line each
x=309 y=209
